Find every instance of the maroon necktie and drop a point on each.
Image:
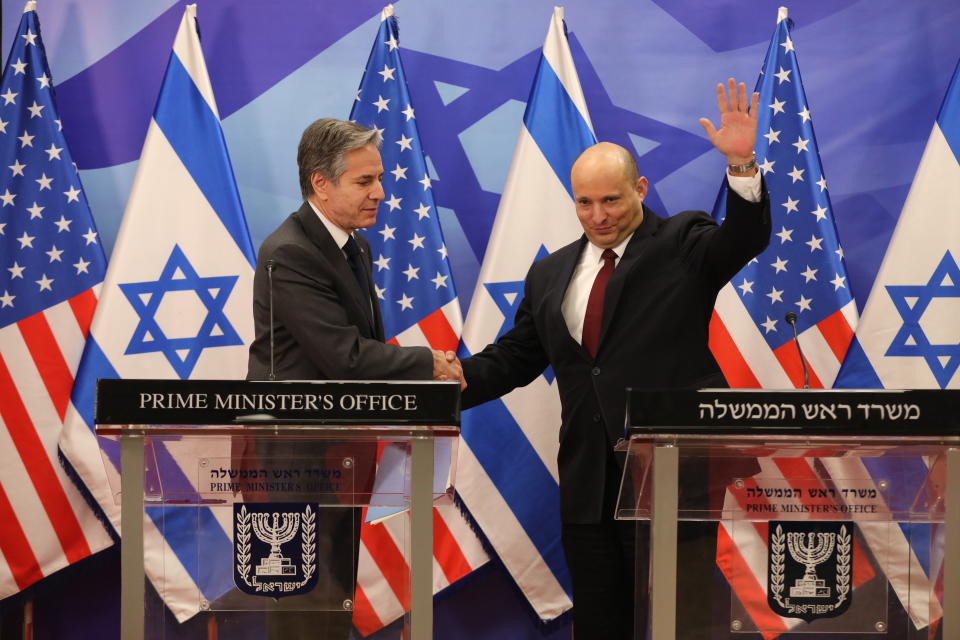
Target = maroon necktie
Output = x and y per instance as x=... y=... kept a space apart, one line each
x=593 y=318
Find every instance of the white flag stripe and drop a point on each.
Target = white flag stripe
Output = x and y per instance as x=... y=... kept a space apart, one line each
x=7 y=582
x=187 y=48
x=534 y=578
x=66 y=333
x=891 y=549
x=557 y=53
x=25 y=501
x=753 y=348
x=474 y=552
x=820 y=357
x=33 y=391
x=176 y=588
x=384 y=601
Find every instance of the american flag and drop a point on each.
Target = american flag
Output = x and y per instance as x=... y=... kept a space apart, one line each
x=413 y=282
x=803 y=269
x=51 y=266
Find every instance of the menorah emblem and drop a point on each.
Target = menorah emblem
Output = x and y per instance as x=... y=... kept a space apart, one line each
x=814 y=550
x=275 y=534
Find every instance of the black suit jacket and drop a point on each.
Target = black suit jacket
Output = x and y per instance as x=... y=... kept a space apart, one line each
x=654 y=334
x=321 y=328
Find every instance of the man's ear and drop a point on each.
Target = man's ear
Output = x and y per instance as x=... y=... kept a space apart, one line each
x=642 y=187
x=320 y=185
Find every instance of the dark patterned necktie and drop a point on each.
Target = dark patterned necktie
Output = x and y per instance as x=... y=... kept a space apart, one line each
x=355 y=260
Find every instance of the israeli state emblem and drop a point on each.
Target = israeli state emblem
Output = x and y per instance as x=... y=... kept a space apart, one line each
x=810 y=569
x=274 y=548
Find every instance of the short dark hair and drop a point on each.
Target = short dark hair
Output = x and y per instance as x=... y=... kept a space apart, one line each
x=323 y=146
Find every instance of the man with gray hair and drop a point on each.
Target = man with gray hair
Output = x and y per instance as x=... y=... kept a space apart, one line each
x=326 y=325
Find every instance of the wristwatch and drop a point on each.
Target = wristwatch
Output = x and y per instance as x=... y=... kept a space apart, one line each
x=743 y=168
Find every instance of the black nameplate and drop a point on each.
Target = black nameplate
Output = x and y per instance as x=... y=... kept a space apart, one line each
x=189 y=402
x=806 y=411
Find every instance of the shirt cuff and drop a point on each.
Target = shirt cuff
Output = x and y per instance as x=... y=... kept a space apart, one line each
x=747 y=188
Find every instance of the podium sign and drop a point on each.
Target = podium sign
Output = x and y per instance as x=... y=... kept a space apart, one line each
x=826 y=512
x=251 y=495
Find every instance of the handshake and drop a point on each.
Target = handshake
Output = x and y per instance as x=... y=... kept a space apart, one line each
x=446 y=366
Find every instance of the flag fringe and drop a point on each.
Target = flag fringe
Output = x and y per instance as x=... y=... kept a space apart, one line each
x=87 y=496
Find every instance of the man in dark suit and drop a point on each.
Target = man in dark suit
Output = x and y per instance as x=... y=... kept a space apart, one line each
x=326 y=323
x=626 y=305
x=315 y=273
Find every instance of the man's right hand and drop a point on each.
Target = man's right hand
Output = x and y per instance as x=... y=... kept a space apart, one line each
x=446 y=366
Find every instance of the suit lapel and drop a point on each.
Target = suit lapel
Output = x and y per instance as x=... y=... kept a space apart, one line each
x=318 y=234
x=631 y=255
x=567 y=262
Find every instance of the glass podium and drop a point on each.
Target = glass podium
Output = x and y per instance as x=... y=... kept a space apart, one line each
x=794 y=514
x=242 y=502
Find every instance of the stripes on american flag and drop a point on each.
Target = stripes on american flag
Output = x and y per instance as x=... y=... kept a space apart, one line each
x=51 y=264
x=420 y=308
x=803 y=268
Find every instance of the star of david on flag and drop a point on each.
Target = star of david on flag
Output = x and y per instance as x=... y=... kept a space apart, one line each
x=908 y=337
x=176 y=303
x=419 y=304
x=51 y=267
x=146 y=298
x=802 y=270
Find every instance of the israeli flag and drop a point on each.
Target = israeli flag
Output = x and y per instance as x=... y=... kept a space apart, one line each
x=507 y=468
x=176 y=303
x=907 y=338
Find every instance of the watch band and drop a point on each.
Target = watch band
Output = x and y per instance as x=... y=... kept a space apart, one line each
x=743 y=168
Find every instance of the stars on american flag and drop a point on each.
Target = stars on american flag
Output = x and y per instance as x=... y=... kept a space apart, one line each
x=406 y=240
x=44 y=259
x=804 y=254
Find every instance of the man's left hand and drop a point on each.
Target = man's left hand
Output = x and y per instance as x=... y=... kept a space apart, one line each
x=738 y=123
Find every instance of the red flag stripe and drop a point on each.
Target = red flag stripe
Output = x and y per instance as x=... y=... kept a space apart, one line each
x=789 y=359
x=365 y=617
x=734 y=366
x=447 y=552
x=389 y=559
x=48 y=359
x=15 y=546
x=837 y=332
x=83 y=306
x=42 y=474
x=438 y=331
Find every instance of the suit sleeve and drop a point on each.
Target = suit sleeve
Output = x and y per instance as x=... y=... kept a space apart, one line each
x=719 y=252
x=514 y=360
x=309 y=305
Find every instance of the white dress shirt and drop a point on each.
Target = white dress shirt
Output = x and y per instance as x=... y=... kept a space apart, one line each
x=574 y=305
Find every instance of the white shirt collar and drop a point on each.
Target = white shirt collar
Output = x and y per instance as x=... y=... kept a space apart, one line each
x=339 y=235
x=593 y=253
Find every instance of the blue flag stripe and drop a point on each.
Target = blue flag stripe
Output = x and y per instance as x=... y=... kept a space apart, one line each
x=520 y=476
x=555 y=123
x=94 y=365
x=193 y=131
x=949 y=117
x=189 y=531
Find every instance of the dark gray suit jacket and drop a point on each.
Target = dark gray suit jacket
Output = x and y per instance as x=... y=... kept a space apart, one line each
x=656 y=319
x=321 y=331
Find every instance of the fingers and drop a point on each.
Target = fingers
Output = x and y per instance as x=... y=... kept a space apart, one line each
x=708 y=127
x=742 y=97
x=754 y=101
x=722 y=103
x=446 y=366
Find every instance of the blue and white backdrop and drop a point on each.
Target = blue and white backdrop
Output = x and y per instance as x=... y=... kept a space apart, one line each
x=874 y=72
